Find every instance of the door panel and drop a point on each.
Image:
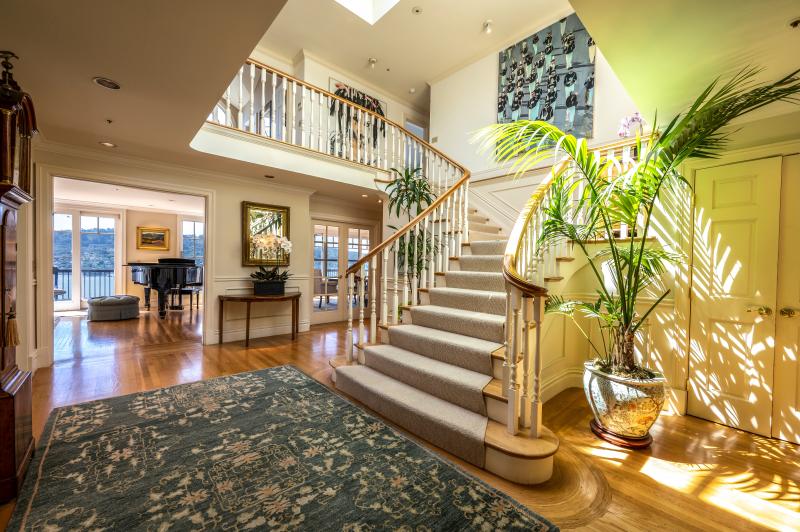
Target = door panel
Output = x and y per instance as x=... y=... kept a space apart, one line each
x=786 y=402
x=733 y=276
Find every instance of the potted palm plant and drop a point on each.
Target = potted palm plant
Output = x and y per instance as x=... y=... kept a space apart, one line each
x=410 y=193
x=625 y=396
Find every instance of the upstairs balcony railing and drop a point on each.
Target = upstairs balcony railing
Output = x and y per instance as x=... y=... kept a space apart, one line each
x=271 y=104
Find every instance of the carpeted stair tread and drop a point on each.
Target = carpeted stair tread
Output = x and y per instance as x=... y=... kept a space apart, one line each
x=467 y=299
x=489 y=281
x=484 y=227
x=476 y=324
x=451 y=427
x=452 y=348
x=487 y=247
x=480 y=235
x=480 y=263
x=456 y=385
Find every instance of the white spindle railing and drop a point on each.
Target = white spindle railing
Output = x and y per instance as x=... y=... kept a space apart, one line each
x=527 y=268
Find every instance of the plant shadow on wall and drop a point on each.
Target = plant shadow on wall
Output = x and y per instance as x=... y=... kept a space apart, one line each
x=589 y=197
x=410 y=193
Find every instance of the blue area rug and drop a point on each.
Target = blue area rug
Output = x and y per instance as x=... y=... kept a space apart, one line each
x=271 y=449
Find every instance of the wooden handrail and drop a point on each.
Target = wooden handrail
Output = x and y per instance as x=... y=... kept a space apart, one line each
x=351 y=104
x=515 y=239
x=406 y=228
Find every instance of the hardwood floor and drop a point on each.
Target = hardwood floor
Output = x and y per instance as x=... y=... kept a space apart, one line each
x=697 y=475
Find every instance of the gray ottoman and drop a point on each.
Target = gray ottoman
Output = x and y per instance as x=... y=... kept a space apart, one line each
x=105 y=308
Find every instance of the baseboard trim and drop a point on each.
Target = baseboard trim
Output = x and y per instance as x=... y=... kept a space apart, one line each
x=555 y=384
x=235 y=335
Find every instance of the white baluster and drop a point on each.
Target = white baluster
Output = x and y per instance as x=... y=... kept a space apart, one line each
x=361 y=300
x=512 y=422
x=240 y=114
x=284 y=108
x=385 y=145
x=536 y=405
x=349 y=337
x=252 y=127
x=507 y=343
x=228 y=112
x=466 y=211
x=373 y=317
x=311 y=124
x=273 y=133
x=527 y=354
x=384 y=295
x=406 y=270
x=414 y=253
x=396 y=276
x=262 y=122
x=293 y=138
x=459 y=214
x=423 y=281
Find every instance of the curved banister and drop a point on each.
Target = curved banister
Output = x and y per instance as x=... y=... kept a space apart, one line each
x=521 y=234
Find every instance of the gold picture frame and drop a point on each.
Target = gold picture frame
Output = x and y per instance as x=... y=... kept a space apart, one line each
x=261 y=218
x=152 y=238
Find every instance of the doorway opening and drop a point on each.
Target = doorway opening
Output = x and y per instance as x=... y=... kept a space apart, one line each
x=109 y=243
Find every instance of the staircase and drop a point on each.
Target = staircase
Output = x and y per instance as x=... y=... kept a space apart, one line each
x=439 y=373
x=462 y=367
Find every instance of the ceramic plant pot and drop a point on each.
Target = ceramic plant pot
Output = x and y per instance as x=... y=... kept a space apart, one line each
x=624 y=408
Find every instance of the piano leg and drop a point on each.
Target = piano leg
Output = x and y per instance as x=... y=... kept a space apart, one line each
x=162 y=304
x=147 y=298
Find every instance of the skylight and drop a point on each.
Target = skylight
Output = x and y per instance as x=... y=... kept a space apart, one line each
x=368 y=10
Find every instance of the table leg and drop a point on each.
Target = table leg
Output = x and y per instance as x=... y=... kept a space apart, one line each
x=221 y=304
x=294 y=319
x=247 y=327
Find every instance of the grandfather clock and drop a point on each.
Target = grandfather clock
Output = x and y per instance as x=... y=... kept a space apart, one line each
x=17 y=126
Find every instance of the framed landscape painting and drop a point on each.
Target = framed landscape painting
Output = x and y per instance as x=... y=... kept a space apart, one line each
x=154 y=238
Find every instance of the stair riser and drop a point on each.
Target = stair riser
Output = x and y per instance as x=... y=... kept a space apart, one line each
x=458 y=395
x=496 y=410
x=432 y=347
x=493 y=283
x=478 y=235
x=487 y=246
x=487 y=302
x=477 y=263
x=484 y=228
x=484 y=331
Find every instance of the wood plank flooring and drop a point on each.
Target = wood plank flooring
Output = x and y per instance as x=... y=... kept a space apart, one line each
x=697 y=475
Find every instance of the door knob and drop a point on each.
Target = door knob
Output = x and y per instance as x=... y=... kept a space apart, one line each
x=762 y=310
x=789 y=312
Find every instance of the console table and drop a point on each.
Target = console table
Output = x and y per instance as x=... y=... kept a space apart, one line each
x=294 y=297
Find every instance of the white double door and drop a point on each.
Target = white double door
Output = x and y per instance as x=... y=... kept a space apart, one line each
x=745 y=314
x=337 y=246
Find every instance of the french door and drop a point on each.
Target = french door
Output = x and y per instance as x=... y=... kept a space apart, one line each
x=86 y=257
x=337 y=246
x=745 y=319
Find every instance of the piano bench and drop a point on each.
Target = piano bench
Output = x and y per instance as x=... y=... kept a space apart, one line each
x=110 y=308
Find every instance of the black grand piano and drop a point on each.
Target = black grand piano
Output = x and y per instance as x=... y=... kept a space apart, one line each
x=165 y=276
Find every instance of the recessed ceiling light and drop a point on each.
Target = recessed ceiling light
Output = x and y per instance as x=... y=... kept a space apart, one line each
x=416 y=10
x=269 y=176
x=380 y=201
x=487 y=27
x=106 y=83
x=795 y=23
x=107 y=144
x=364 y=195
x=172 y=200
x=412 y=90
x=372 y=61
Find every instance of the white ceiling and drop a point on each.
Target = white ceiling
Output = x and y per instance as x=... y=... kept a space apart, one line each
x=90 y=193
x=416 y=48
x=173 y=59
x=665 y=53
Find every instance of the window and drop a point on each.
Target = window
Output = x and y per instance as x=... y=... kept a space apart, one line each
x=193 y=241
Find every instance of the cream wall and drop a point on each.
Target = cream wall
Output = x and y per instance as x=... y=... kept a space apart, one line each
x=224 y=273
x=134 y=219
x=466 y=101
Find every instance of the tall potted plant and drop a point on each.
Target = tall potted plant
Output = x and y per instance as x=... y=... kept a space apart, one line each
x=410 y=193
x=625 y=396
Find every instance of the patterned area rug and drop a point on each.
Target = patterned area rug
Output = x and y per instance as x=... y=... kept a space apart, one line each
x=271 y=449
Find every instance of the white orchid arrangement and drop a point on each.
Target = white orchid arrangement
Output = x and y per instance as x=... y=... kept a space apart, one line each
x=268 y=244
